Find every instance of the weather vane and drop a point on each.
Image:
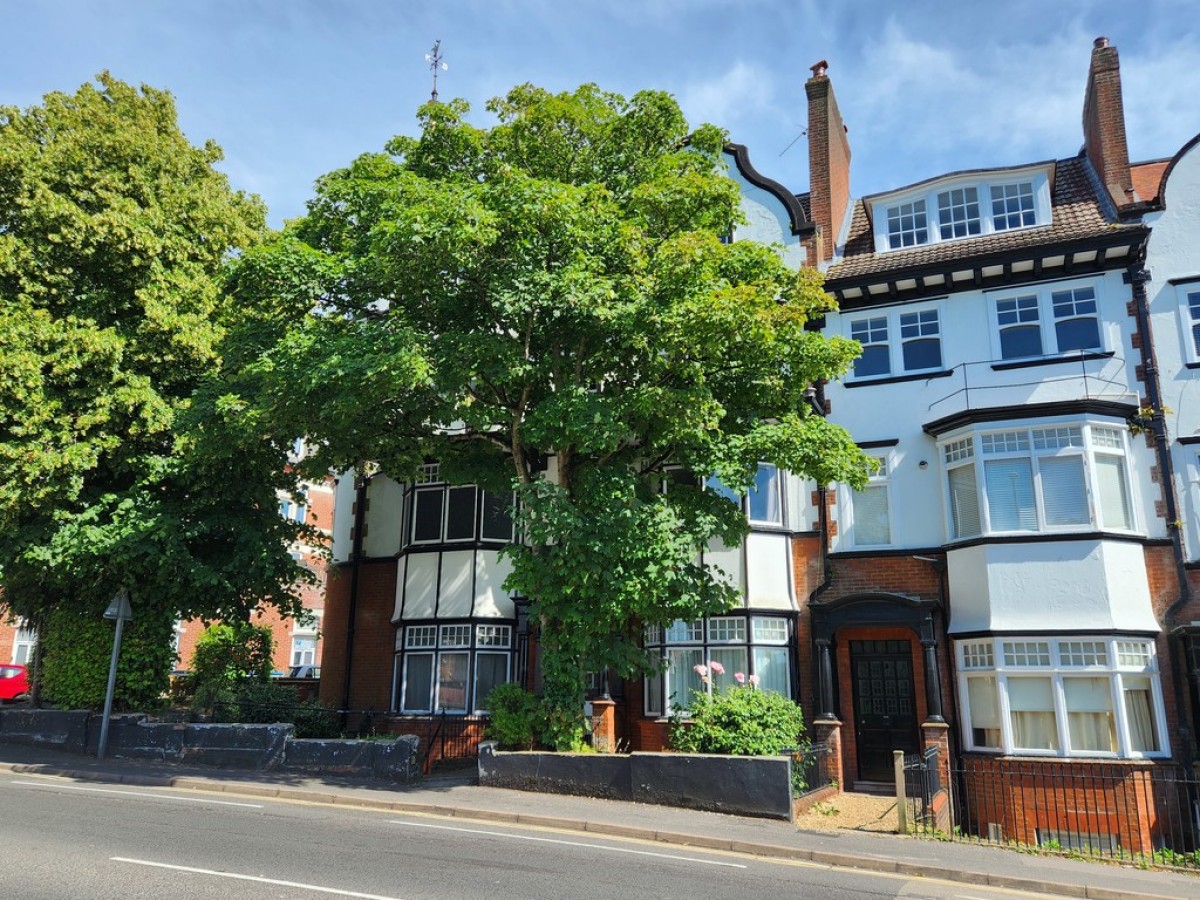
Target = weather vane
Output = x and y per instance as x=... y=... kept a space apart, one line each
x=434 y=58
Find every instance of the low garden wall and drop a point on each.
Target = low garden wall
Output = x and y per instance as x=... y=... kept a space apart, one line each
x=257 y=747
x=741 y=785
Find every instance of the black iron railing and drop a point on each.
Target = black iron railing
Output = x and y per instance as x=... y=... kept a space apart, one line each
x=1141 y=813
x=811 y=769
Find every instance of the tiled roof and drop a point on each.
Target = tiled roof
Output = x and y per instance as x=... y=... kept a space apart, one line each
x=806 y=205
x=1147 y=176
x=1076 y=214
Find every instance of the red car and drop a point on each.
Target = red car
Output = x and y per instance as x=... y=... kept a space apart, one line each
x=14 y=682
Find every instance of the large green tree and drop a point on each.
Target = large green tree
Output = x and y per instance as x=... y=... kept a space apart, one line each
x=121 y=463
x=556 y=287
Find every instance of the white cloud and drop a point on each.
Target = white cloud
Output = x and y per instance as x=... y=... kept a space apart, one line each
x=743 y=92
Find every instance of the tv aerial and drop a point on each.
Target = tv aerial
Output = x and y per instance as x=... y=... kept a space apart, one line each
x=434 y=58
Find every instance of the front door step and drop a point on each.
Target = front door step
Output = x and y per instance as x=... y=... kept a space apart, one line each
x=882 y=788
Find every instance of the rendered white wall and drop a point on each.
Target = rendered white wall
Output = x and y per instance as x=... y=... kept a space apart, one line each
x=1061 y=585
x=343 y=518
x=768 y=572
x=385 y=514
x=490 y=597
x=1173 y=251
x=416 y=588
x=457 y=590
x=898 y=410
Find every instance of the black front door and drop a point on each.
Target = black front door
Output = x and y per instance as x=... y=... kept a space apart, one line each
x=885 y=713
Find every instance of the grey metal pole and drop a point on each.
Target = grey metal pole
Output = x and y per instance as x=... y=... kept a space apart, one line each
x=112 y=684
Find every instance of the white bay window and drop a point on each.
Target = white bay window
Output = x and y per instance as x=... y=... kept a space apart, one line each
x=1038 y=479
x=751 y=651
x=1088 y=696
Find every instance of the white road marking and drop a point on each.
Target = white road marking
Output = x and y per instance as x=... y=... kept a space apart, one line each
x=72 y=787
x=527 y=837
x=255 y=878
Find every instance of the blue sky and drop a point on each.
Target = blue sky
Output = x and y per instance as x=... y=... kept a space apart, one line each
x=294 y=89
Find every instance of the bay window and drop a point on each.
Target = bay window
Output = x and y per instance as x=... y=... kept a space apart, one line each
x=1085 y=696
x=1038 y=479
x=450 y=667
x=459 y=513
x=756 y=648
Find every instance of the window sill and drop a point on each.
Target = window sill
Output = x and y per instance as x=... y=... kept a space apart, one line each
x=920 y=376
x=1086 y=356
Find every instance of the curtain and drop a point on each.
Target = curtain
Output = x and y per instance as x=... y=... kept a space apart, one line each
x=985 y=711
x=418 y=681
x=771 y=666
x=1089 y=714
x=732 y=659
x=491 y=670
x=1034 y=724
x=682 y=680
x=1139 y=710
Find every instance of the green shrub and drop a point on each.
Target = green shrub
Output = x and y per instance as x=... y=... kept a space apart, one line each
x=77 y=649
x=517 y=717
x=259 y=702
x=742 y=721
x=227 y=655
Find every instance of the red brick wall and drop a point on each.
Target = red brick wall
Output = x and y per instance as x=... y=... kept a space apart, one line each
x=828 y=162
x=374 y=636
x=1104 y=122
x=1087 y=798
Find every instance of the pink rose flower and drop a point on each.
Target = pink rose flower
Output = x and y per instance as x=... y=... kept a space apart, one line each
x=754 y=680
x=739 y=677
x=700 y=670
x=717 y=668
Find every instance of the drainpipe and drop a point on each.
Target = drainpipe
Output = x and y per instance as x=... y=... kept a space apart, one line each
x=360 y=514
x=1137 y=276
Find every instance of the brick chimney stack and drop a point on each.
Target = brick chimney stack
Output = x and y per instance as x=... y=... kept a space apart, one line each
x=828 y=161
x=1104 y=123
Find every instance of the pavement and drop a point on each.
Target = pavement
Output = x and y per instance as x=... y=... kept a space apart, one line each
x=981 y=866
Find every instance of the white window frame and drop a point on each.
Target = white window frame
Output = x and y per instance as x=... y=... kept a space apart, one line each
x=888 y=206
x=1188 y=293
x=1047 y=320
x=714 y=484
x=292 y=510
x=436 y=641
x=895 y=339
x=701 y=638
x=304 y=649
x=1057 y=666
x=878 y=480
x=25 y=639
x=968 y=449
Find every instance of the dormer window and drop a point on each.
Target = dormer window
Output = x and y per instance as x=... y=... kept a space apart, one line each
x=962 y=207
x=958 y=213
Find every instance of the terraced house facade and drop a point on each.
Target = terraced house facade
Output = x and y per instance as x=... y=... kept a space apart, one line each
x=1016 y=580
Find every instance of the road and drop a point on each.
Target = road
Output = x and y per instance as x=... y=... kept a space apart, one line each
x=60 y=838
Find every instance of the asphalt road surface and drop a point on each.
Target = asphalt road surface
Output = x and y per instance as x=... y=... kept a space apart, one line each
x=60 y=839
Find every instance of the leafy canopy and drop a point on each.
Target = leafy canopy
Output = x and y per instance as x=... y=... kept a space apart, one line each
x=554 y=290
x=119 y=462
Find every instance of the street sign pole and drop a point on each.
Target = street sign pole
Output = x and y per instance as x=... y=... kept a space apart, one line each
x=119 y=610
